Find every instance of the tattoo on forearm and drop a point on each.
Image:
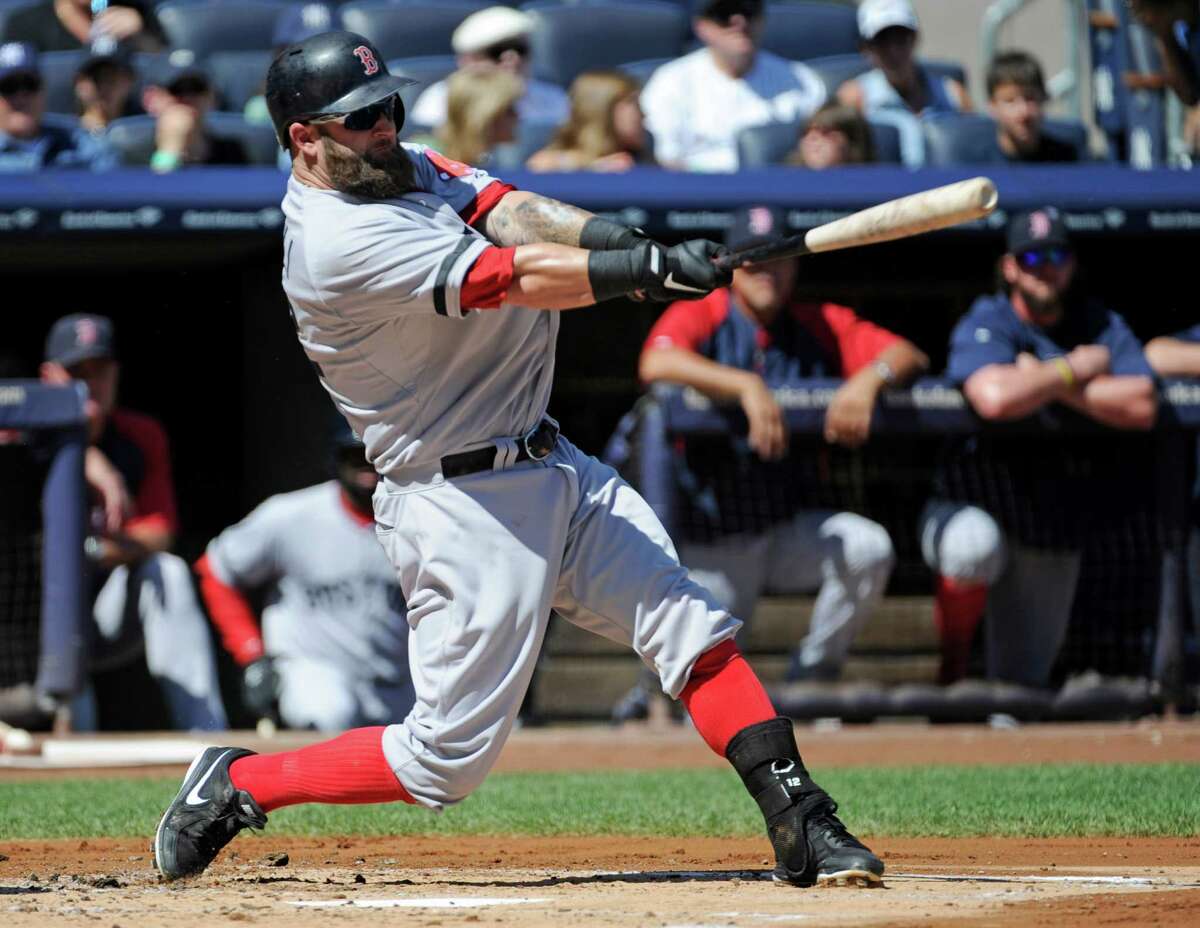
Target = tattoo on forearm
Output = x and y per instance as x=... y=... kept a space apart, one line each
x=536 y=219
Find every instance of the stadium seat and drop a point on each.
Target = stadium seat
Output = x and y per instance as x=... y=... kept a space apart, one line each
x=572 y=39
x=207 y=26
x=835 y=70
x=425 y=70
x=970 y=138
x=408 y=29
x=133 y=137
x=7 y=8
x=800 y=29
x=531 y=137
x=238 y=76
x=58 y=74
x=759 y=146
x=641 y=70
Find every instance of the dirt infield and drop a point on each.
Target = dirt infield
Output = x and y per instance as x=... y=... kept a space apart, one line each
x=623 y=882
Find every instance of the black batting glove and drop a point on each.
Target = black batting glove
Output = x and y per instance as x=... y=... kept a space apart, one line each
x=685 y=271
x=260 y=687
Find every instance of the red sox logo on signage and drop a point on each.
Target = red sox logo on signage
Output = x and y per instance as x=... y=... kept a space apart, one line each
x=761 y=221
x=367 y=57
x=1039 y=224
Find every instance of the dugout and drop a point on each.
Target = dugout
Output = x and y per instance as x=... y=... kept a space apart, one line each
x=188 y=267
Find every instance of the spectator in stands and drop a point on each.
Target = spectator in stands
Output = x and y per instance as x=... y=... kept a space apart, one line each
x=495 y=37
x=103 y=89
x=144 y=600
x=1176 y=28
x=333 y=643
x=889 y=30
x=1010 y=515
x=1016 y=95
x=605 y=131
x=180 y=95
x=835 y=136
x=63 y=25
x=736 y=345
x=295 y=24
x=696 y=105
x=481 y=114
x=27 y=142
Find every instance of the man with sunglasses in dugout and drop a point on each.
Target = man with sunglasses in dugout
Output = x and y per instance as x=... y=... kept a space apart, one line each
x=27 y=143
x=427 y=294
x=1013 y=509
x=496 y=37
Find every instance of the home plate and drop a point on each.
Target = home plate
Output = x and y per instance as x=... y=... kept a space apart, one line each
x=465 y=902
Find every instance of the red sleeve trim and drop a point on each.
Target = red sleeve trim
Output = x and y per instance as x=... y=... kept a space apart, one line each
x=689 y=323
x=487 y=198
x=155 y=500
x=487 y=282
x=859 y=342
x=232 y=615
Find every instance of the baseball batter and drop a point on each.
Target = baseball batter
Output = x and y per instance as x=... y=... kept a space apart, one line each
x=427 y=294
x=333 y=645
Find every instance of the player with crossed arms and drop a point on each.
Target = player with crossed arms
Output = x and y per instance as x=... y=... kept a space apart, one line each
x=428 y=294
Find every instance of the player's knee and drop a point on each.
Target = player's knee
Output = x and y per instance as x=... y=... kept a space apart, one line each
x=866 y=546
x=963 y=543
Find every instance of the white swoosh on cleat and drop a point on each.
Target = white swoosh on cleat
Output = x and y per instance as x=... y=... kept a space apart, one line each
x=194 y=798
x=670 y=281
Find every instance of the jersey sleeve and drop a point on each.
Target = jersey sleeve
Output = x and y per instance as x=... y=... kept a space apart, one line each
x=858 y=341
x=245 y=555
x=977 y=341
x=154 y=504
x=395 y=261
x=471 y=192
x=231 y=613
x=689 y=323
x=1128 y=358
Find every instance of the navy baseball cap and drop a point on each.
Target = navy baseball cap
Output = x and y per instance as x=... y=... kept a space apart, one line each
x=178 y=72
x=18 y=58
x=1038 y=228
x=723 y=10
x=755 y=225
x=297 y=23
x=79 y=337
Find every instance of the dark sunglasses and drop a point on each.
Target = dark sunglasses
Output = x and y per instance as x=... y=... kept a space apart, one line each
x=20 y=83
x=365 y=118
x=496 y=52
x=1037 y=257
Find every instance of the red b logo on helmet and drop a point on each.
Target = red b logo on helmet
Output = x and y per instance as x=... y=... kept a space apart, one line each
x=367 y=57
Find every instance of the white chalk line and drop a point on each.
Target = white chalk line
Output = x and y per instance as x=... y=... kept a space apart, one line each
x=980 y=878
x=463 y=902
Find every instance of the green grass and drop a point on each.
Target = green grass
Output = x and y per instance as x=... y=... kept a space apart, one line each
x=1042 y=801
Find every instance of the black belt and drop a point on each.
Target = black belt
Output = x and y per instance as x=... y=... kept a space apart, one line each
x=535 y=445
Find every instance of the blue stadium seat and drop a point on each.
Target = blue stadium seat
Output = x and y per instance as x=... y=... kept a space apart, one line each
x=760 y=146
x=403 y=29
x=835 y=70
x=7 y=8
x=58 y=74
x=133 y=137
x=238 y=76
x=970 y=138
x=641 y=70
x=801 y=29
x=207 y=26
x=425 y=70
x=531 y=137
x=572 y=39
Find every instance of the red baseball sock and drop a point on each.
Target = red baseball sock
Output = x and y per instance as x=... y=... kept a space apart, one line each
x=724 y=695
x=347 y=769
x=956 y=613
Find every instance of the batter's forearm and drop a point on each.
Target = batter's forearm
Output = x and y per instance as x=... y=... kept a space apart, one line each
x=524 y=218
x=547 y=276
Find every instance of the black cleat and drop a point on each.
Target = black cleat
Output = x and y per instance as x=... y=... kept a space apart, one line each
x=204 y=816
x=811 y=844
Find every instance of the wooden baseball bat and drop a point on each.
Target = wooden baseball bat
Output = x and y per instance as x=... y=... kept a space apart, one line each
x=926 y=211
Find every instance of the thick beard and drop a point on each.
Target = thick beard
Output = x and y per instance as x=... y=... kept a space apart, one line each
x=371 y=176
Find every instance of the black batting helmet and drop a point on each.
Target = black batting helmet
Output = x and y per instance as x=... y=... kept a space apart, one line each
x=329 y=74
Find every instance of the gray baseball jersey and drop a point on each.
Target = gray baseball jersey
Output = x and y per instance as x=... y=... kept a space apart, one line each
x=332 y=595
x=372 y=284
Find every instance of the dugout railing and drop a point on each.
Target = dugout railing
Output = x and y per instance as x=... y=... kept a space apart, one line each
x=1128 y=650
x=42 y=568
